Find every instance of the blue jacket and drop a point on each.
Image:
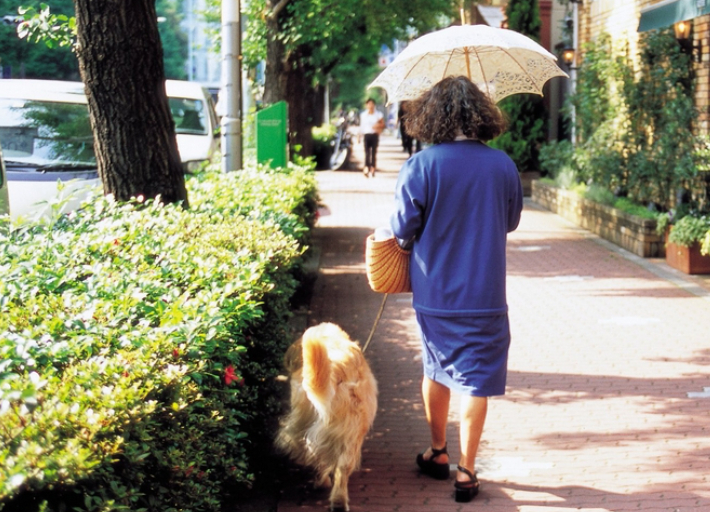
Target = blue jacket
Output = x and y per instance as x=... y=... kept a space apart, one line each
x=458 y=201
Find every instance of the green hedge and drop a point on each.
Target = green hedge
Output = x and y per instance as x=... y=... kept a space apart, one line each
x=138 y=344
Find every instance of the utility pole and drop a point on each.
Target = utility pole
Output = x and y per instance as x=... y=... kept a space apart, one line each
x=573 y=67
x=190 y=40
x=231 y=90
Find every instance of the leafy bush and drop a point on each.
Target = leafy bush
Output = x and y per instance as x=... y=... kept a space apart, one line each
x=600 y=195
x=661 y=114
x=593 y=101
x=705 y=245
x=627 y=205
x=323 y=144
x=689 y=230
x=286 y=196
x=555 y=156
x=526 y=113
x=633 y=127
x=140 y=341
x=324 y=133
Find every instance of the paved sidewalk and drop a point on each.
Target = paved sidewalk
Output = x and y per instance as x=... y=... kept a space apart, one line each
x=604 y=410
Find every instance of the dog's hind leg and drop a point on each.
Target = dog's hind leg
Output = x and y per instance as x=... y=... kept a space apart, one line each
x=339 y=499
x=323 y=480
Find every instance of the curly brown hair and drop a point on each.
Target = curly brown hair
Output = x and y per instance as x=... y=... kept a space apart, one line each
x=452 y=107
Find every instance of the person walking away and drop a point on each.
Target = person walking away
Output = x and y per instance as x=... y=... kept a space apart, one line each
x=455 y=203
x=372 y=123
x=408 y=142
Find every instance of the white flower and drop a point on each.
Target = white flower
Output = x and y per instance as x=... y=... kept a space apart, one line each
x=16 y=480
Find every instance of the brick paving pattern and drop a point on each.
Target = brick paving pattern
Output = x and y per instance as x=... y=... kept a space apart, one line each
x=605 y=410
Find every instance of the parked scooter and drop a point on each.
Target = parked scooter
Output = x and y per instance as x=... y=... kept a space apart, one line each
x=342 y=145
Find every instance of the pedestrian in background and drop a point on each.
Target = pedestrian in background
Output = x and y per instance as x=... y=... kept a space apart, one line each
x=456 y=201
x=372 y=123
x=408 y=142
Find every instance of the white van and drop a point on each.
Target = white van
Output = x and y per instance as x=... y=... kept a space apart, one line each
x=196 y=123
x=46 y=133
x=46 y=137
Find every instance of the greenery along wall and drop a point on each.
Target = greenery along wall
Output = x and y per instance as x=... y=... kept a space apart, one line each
x=634 y=123
x=526 y=114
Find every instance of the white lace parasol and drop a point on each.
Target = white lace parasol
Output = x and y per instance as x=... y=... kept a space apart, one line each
x=500 y=62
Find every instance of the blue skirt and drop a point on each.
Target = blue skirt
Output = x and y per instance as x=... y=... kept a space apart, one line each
x=468 y=355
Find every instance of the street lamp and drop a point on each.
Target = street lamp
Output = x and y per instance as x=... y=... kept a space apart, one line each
x=682 y=31
x=568 y=56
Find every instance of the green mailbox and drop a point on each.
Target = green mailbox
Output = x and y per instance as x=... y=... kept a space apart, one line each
x=272 y=135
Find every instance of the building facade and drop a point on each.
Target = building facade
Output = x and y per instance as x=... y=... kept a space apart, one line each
x=626 y=19
x=553 y=18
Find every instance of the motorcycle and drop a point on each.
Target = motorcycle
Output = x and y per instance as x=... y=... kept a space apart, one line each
x=342 y=145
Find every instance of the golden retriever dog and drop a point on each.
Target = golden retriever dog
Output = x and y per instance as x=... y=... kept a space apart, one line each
x=333 y=405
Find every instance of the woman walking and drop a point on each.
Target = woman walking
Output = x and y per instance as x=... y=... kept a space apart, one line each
x=372 y=123
x=455 y=203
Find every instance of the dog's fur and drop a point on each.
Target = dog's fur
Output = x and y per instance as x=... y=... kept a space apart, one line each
x=333 y=405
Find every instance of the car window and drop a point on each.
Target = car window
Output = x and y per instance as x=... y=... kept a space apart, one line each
x=43 y=132
x=189 y=115
x=35 y=134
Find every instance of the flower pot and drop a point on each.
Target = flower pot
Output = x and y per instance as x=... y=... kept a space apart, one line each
x=322 y=153
x=687 y=259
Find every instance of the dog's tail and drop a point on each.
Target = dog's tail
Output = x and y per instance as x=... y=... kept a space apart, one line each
x=317 y=368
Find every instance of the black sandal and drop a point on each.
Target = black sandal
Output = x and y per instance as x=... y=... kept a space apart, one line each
x=438 y=470
x=466 y=491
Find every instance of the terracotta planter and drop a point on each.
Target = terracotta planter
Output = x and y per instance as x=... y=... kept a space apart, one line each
x=687 y=259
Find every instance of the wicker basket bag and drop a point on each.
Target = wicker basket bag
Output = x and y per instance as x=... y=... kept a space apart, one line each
x=387 y=266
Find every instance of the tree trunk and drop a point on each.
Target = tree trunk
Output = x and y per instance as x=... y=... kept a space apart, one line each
x=274 y=88
x=121 y=64
x=300 y=97
x=285 y=79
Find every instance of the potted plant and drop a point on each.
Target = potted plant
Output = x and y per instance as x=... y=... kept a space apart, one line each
x=323 y=137
x=683 y=241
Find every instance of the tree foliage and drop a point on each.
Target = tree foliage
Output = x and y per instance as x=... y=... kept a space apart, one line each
x=173 y=37
x=593 y=102
x=306 y=42
x=324 y=33
x=35 y=60
x=635 y=126
x=526 y=113
x=52 y=27
x=524 y=16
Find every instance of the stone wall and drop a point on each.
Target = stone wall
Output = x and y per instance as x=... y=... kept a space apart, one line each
x=701 y=36
x=635 y=234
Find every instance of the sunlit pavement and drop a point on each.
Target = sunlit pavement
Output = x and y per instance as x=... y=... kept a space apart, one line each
x=608 y=399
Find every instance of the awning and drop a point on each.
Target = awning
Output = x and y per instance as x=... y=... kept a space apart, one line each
x=493 y=16
x=666 y=13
